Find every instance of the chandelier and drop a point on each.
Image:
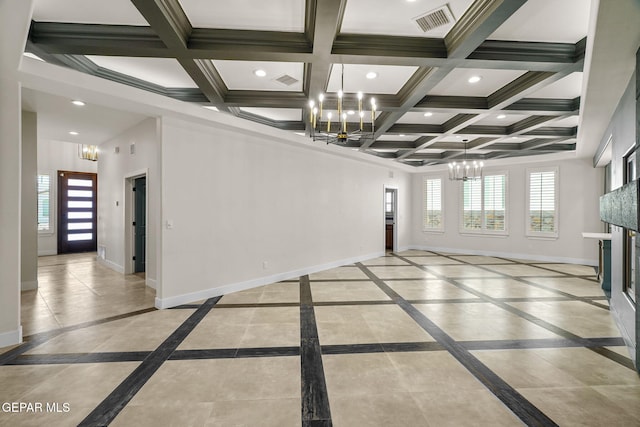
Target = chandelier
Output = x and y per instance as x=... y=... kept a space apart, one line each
x=88 y=152
x=465 y=171
x=336 y=129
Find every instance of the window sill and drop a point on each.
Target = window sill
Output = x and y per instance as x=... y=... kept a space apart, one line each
x=483 y=234
x=532 y=237
x=433 y=231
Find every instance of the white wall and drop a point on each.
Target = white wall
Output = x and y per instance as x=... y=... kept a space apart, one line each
x=580 y=186
x=52 y=157
x=238 y=200
x=29 y=214
x=113 y=170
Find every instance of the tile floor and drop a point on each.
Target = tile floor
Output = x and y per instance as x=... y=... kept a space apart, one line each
x=410 y=339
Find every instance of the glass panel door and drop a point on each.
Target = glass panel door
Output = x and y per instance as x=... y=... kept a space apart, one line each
x=77 y=221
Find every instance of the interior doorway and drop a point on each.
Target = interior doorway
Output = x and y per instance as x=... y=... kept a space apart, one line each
x=140 y=224
x=135 y=217
x=77 y=213
x=390 y=218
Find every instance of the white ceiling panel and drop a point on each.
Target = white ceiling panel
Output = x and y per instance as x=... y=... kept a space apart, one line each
x=396 y=18
x=120 y=12
x=494 y=120
x=567 y=88
x=419 y=117
x=430 y=151
x=275 y=113
x=165 y=72
x=272 y=15
x=389 y=80
x=568 y=122
x=240 y=75
x=564 y=21
x=57 y=116
x=456 y=83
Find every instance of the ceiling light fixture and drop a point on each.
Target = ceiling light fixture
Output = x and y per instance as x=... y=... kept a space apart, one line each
x=465 y=171
x=502 y=116
x=260 y=73
x=78 y=103
x=337 y=132
x=88 y=152
x=372 y=75
x=73 y=132
x=428 y=114
x=474 y=79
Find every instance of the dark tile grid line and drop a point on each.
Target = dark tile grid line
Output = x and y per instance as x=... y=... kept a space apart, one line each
x=518 y=404
x=523 y=279
x=251 y=352
x=111 y=406
x=35 y=340
x=612 y=355
x=314 y=396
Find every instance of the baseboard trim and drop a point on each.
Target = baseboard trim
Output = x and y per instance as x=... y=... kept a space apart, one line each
x=527 y=257
x=47 y=252
x=261 y=281
x=29 y=286
x=110 y=264
x=11 y=337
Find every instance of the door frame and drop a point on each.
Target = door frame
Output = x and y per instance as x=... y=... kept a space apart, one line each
x=129 y=214
x=395 y=216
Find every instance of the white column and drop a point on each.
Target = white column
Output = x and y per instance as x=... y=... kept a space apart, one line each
x=15 y=16
x=29 y=215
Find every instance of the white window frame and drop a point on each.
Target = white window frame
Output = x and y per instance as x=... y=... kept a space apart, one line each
x=483 y=230
x=542 y=234
x=439 y=229
x=52 y=205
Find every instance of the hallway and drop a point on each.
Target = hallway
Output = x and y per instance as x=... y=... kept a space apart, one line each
x=410 y=339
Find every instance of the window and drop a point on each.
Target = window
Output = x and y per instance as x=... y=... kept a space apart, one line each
x=432 y=214
x=484 y=204
x=44 y=204
x=542 y=212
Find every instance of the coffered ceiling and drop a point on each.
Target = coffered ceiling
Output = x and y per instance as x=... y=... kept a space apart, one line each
x=529 y=56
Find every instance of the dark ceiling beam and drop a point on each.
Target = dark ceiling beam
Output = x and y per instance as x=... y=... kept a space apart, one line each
x=97 y=39
x=328 y=17
x=226 y=44
x=563 y=106
x=480 y=20
x=171 y=24
x=209 y=43
x=400 y=145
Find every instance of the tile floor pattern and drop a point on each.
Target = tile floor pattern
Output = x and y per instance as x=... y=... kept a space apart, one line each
x=410 y=339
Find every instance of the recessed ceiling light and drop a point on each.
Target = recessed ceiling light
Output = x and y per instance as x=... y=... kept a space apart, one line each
x=502 y=116
x=73 y=132
x=458 y=136
x=78 y=103
x=351 y=112
x=474 y=79
x=428 y=114
x=372 y=75
x=260 y=73
x=402 y=135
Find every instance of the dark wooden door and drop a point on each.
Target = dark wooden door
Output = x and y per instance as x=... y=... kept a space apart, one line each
x=140 y=224
x=77 y=209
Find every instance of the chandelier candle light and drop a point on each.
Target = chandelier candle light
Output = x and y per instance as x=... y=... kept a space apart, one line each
x=322 y=125
x=88 y=152
x=465 y=171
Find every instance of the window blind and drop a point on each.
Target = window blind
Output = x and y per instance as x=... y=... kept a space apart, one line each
x=542 y=202
x=432 y=213
x=44 y=197
x=494 y=202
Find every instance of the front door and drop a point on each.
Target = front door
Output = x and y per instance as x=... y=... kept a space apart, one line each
x=77 y=220
x=140 y=224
